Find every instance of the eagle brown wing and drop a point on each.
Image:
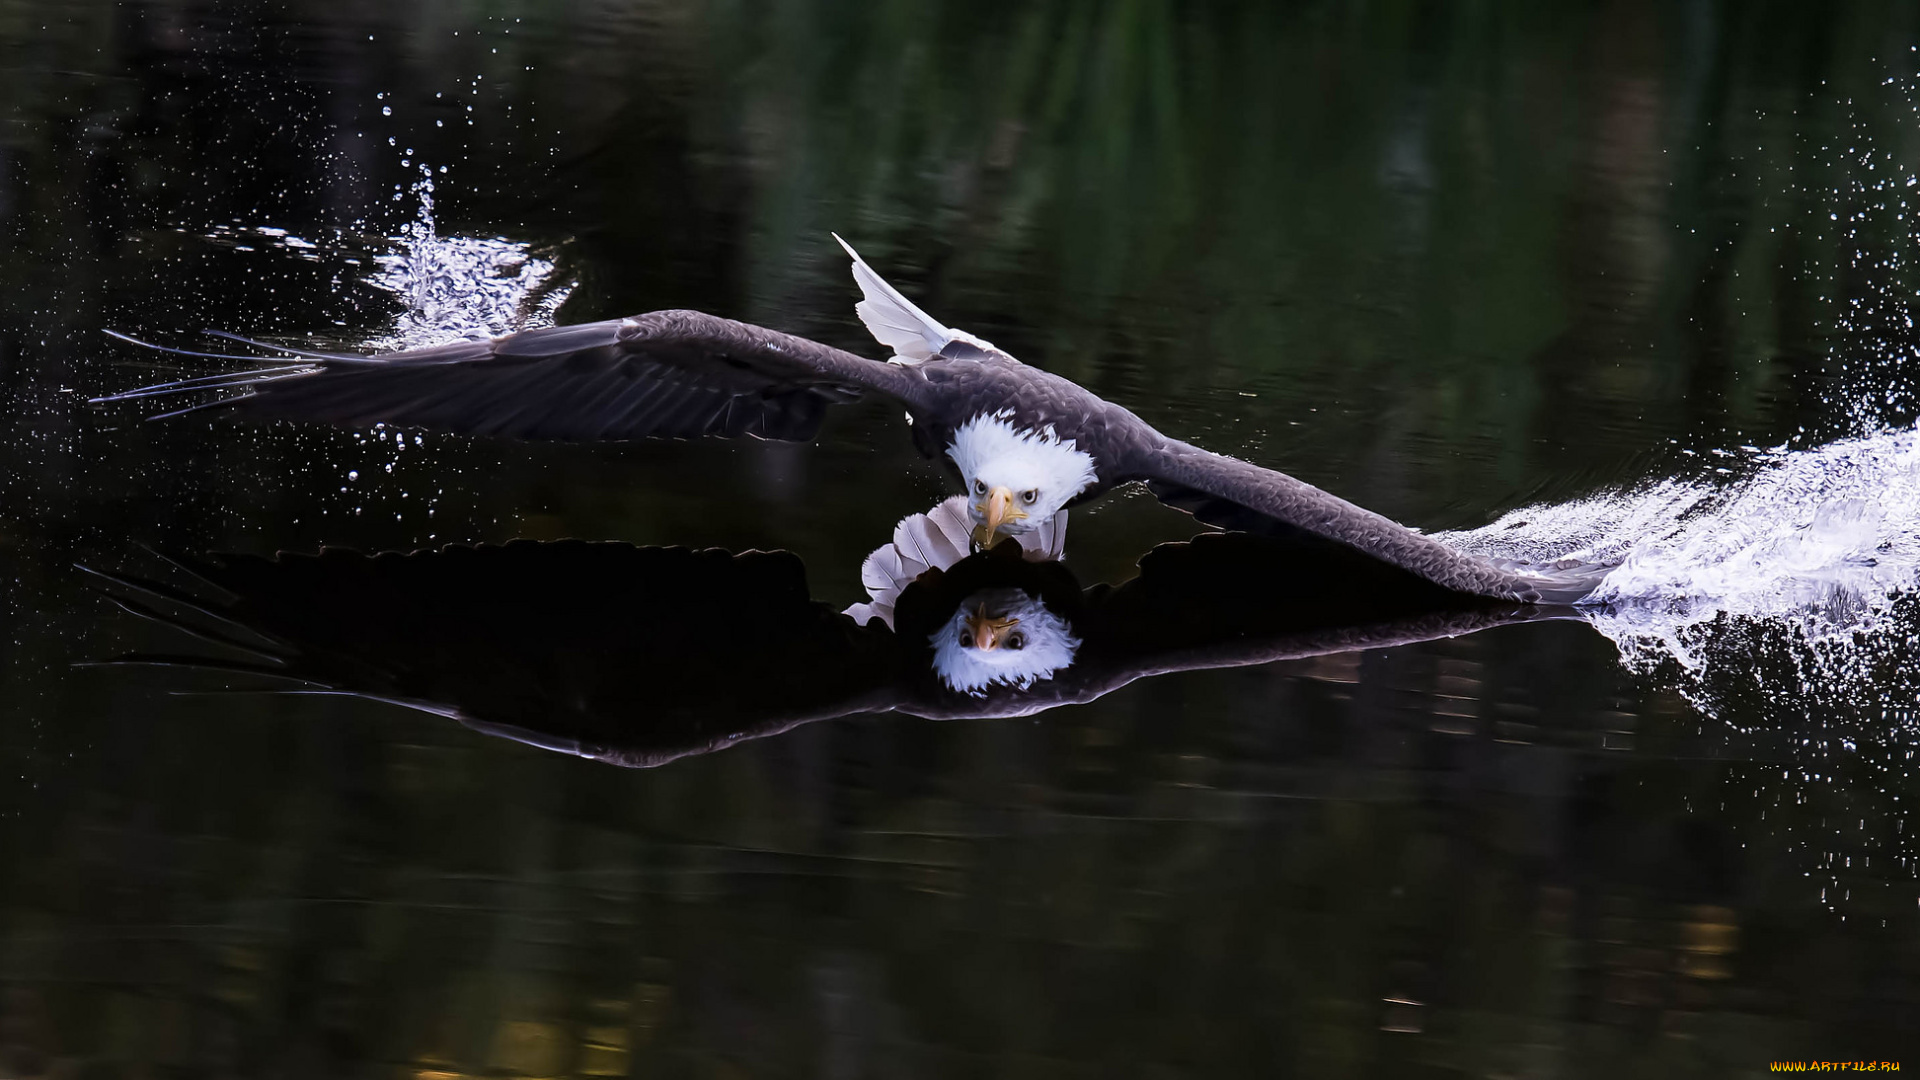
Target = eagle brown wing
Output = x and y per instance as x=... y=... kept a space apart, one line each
x=1233 y=494
x=666 y=374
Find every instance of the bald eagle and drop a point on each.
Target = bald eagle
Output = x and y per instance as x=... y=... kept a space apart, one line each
x=638 y=656
x=1022 y=443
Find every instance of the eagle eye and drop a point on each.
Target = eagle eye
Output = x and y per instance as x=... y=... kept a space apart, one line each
x=965 y=638
x=979 y=487
x=1016 y=640
x=1029 y=495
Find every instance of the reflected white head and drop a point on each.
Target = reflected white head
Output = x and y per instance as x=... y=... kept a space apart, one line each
x=1001 y=637
x=1016 y=480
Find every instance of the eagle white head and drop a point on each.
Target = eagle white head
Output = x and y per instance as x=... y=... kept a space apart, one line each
x=1001 y=637
x=1016 y=480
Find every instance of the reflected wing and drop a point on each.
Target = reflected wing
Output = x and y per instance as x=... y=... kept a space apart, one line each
x=634 y=656
x=1219 y=600
x=1228 y=599
x=667 y=374
x=639 y=656
x=1234 y=494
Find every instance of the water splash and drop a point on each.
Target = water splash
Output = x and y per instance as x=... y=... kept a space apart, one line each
x=450 y=288
x=239 y=237
x=1792 y=564
x=1775 y=592
x=1873 y=211
x=1778 y=590
x=458 y=287
x=1823 y=541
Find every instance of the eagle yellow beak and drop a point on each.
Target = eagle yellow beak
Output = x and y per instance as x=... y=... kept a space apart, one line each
x=996 y=511
x=988 y=632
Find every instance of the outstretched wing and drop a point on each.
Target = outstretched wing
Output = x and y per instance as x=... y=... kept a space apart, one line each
x=667 y=374
x=1234 y=494
x=1219 y=600
x=629 y=655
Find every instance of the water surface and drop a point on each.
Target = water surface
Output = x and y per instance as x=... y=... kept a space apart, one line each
x=1624 y=275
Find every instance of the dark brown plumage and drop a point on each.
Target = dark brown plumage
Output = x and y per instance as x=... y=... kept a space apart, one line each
x=669 y=374
x=680 y=374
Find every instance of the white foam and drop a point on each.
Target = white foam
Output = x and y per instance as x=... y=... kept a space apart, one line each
x=457 y=287
x=1775 y=592
x=1818 y=543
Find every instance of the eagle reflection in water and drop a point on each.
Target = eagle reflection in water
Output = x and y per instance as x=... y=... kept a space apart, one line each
x=637 y=656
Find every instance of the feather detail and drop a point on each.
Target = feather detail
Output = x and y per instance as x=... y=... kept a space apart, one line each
x=894 y=320
x=862 y=614
x=927 y=539
x=1048 y=543
x=936 y=540
x=882 y=567
x=989 y=449
x=951 y=518
x=897 y=322
x=883 y=570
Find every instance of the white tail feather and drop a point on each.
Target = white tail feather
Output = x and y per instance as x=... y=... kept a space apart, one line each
x=936 y=540
x=862 y=614
x=883 y=570
x=950 y=517
x=1048 y=543
x=929 y=539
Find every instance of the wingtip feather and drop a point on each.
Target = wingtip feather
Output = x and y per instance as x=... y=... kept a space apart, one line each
x=892 y=319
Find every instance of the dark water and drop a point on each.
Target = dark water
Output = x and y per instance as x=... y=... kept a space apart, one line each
x=1445 y=260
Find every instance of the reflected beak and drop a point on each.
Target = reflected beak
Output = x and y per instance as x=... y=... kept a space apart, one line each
x=988 y=632
x=997 y=510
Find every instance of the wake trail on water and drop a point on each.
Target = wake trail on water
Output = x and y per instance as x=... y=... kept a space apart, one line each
x=1809 y=554
x=1774 y=591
